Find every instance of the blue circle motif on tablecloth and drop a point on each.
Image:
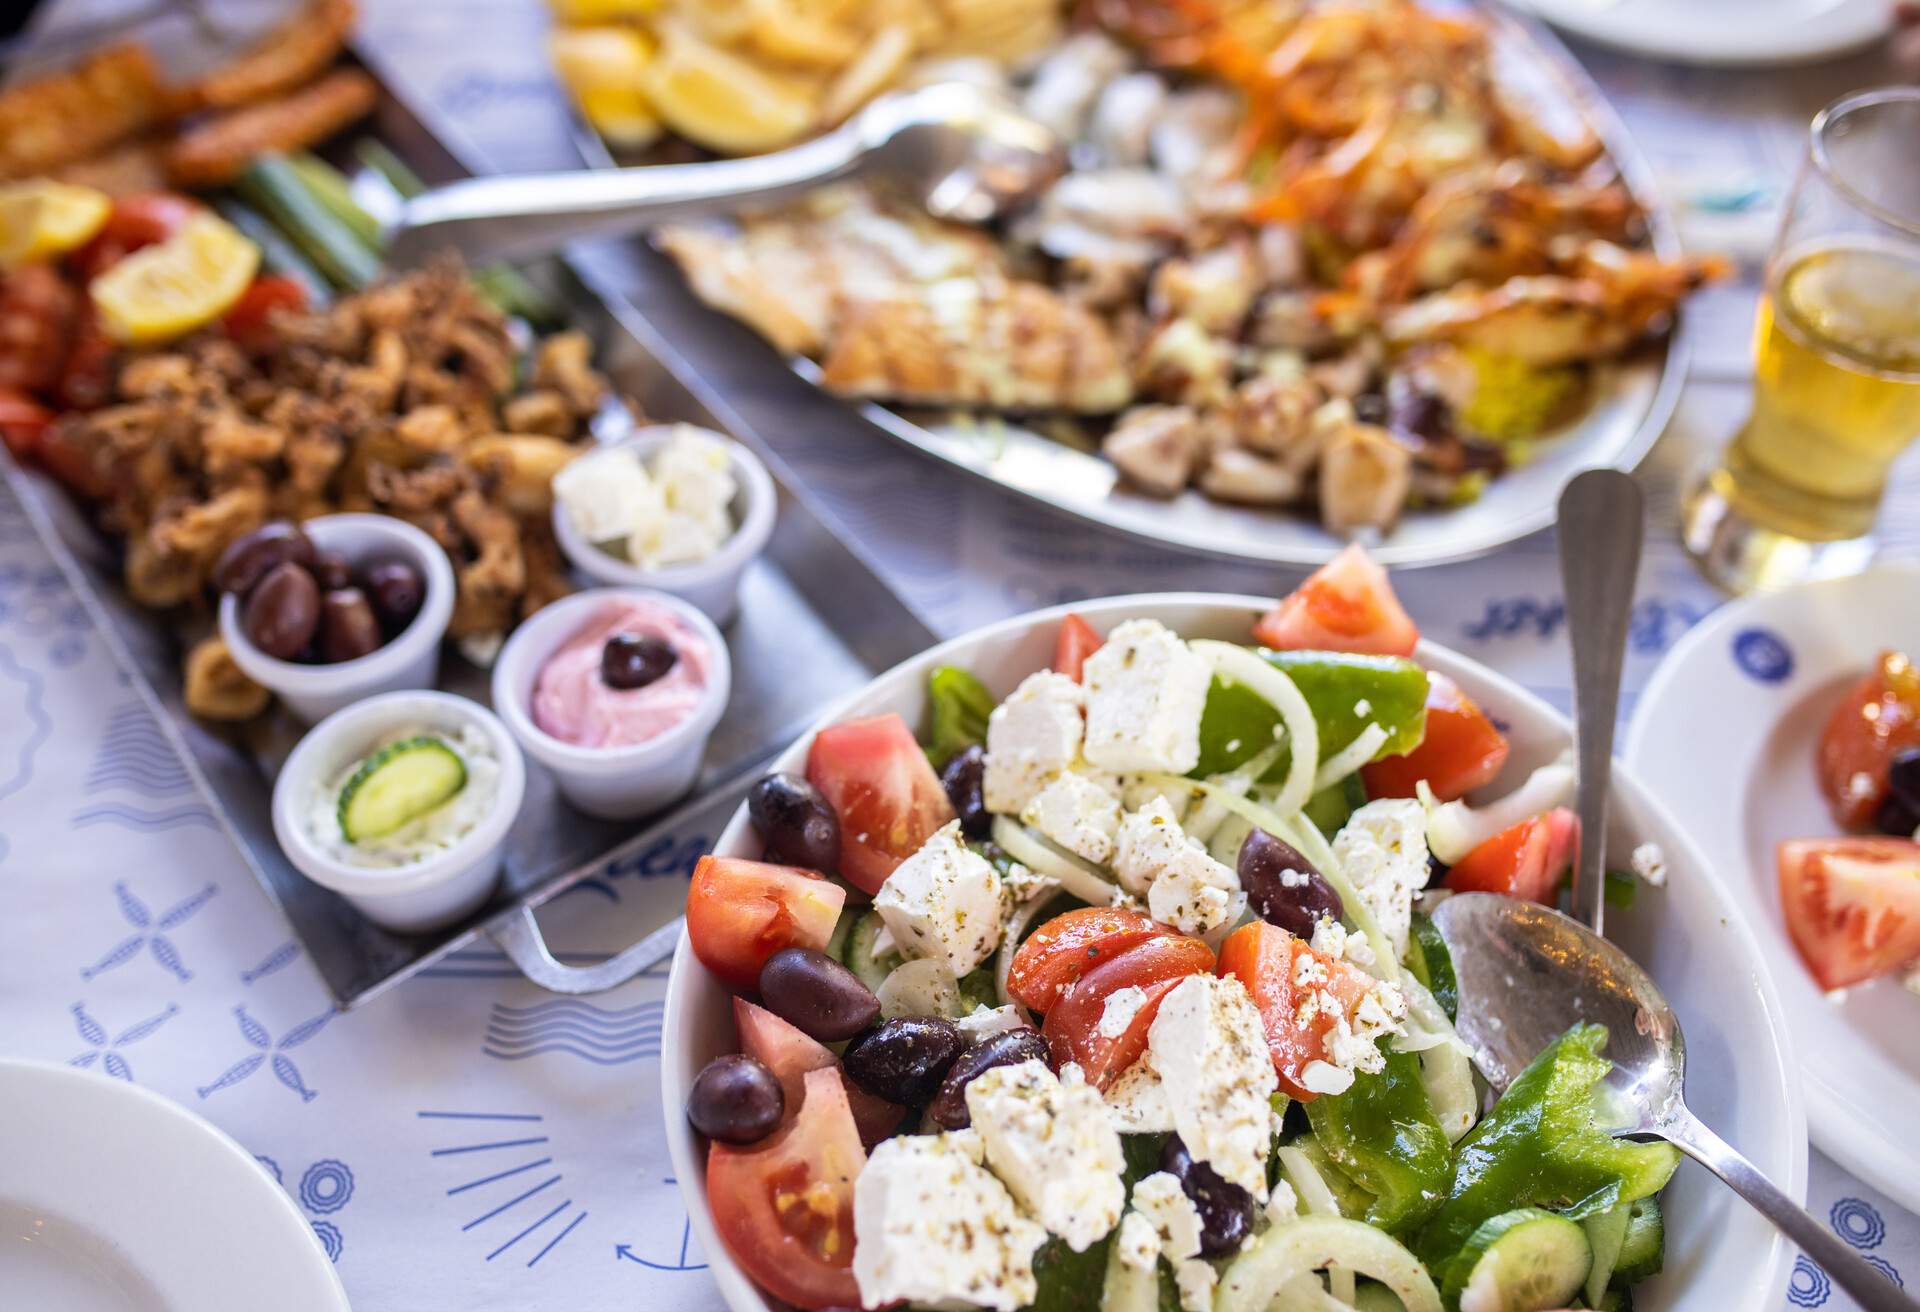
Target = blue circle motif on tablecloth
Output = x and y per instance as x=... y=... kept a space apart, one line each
x=1762 y=654
x=330 y=1238
x=326 y=1187
x=1808 y=1286
x=1858 y=1222
x=1886 y=1269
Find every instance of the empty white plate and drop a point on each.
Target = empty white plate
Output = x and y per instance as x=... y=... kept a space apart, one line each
x=1725 y=736
x=113 y=1199
x=1723 y=31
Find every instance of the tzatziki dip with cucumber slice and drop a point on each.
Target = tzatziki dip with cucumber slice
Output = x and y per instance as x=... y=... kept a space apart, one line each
x=417 y=793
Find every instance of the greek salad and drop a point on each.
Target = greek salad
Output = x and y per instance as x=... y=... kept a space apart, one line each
x=1114 y=993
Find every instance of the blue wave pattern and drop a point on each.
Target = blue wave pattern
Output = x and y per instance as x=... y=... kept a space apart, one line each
x=605 y=1036
x=192 y=815
x=525 y=1182
x=33 y=718
x=134 y=755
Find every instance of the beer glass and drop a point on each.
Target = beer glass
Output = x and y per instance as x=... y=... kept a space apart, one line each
x=1836 y=391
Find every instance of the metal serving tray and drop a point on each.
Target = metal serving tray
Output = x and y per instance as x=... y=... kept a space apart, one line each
x=815 y=621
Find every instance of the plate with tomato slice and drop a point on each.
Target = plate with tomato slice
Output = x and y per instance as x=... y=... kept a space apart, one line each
x=1784 y=732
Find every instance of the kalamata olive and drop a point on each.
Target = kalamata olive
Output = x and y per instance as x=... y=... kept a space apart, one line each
x=1903 y=777
x=810 y=990
x=1226 y=1210
x=634 y=660
x=903 y=1059
x=736 y=1100
x=331 y=571
x=282 y=611
x=248 y=559
x=948 y=1110
x=1895 y=817
x=348 y=629
x=795 y=821
x=396 y=590
x=1282 y=886
x=964 y=780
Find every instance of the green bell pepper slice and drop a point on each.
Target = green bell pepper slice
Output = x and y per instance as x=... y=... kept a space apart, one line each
x=957 y=709
x=1542 y=1145
x=1383 y=1133
x=1237 y=723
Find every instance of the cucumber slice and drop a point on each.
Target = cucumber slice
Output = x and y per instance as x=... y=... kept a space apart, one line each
x=1615 y=1300
x=1440 y=980
x=1370 y=1297
x=859 y=952
x=398 y=784
x=1128 y=1288
x=1644 y=1248
x=1520 y=1261
x=1605 y=1232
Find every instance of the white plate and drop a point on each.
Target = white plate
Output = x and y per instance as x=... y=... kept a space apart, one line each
x=113 y=1199
x=1692 y=937
x=1725 y=732
x=1723 y=31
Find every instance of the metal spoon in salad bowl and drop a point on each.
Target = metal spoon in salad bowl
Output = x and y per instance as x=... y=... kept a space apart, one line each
x=1528 y=973
x=965 y=153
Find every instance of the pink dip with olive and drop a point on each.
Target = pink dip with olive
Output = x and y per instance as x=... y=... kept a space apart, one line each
x=574 y=701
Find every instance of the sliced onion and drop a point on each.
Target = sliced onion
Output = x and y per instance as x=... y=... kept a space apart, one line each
x=1040 y=856
x=1310 y=843
x=1307 y=1294
x=1455 y=829
x=1318 y=1199
x=1283 y=1254
x=1241 y=666
x=920 y=988
x=1446 y=1071
x=1350 y=758
x=1207 y=818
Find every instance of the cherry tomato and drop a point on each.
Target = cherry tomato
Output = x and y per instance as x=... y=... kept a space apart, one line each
x=1878 y=719
x=1155 y=966
x=1526 y=860
x=23 y=423
x=250 y=322
x=790 y=1054
x=1058 y=953
x=739 y=913
x=1852 y=905
x=880 y=784
x=86 y=381
x=784 y=1207
x=1265 y=958
x=142 y=219
x=1345 y=605
x=1076 y=642
x=37 y=309
x=1460 y=752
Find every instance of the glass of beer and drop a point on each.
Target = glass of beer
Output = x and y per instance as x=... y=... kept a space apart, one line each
x=1836 y=393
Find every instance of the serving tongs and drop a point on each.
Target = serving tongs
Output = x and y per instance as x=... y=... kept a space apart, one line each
x=965 y=152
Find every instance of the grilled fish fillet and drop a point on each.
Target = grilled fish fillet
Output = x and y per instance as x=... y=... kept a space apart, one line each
x=108 y=97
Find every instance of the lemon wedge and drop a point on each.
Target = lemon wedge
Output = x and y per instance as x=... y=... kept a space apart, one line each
x=721 y=100
x=39 y=220
x=602 y=11
x=183 y=283
x=602 y=67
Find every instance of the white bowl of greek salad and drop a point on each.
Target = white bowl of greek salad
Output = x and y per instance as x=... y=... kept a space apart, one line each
x=1079 y=965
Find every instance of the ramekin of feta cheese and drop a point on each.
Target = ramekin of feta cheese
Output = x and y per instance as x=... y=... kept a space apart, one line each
x=674 y=507
x=401 y=804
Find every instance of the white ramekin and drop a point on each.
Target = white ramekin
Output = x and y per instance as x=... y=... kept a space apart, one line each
x=614 y=783
x=410 y=660
x=712 y=584
x=443 y=888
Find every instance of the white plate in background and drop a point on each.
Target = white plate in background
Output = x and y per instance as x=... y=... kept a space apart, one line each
x=1730 y=32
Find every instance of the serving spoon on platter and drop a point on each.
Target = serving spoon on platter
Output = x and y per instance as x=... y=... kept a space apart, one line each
x=965 y=152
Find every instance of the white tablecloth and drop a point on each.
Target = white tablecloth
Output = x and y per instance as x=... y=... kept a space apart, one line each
x=469 y=1141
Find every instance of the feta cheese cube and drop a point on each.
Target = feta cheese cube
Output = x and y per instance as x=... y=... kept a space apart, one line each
x=602 y=492
x=1210 y=1049
x=1650 y=863
x=943 y=902
x=1383 y=850
x=1145 y=691
x=1076 y=813
x=695 y=470
x=1161 y=1202
x=984 y=1022
x=1031 y=736
x=1137 y=1101
x=1049 y=1140
x=1120 y=1009
x=671 y=537
x=932 y=1225
x=1183 y=886
x=1138 y=1243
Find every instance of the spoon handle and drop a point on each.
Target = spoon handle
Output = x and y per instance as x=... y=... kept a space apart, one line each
x=1868 y=1287
x=1602 y=515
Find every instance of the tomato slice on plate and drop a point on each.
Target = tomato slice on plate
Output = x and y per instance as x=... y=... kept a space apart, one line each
x=1879 y=719
x=881 y=785
x=1155 y=966
x=1075 y=643
x=1852 y=905
x=1345 y=605
x=1058 y=953
x=1265 y=959
x=785 y=1206
x=37 y=309
x=23 y=421
x=1526 y=860
x=250 y=322
x=790 y=1054
x=1460 y=752
x=739 y=913
x=143 y=219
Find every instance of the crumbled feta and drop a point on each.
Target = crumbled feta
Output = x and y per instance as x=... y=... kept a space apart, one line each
x=1032 y=736
x=1049 y=1140
x=673 y=538
x=695 y=470
x=1323 y=1077
x=1138 y=1242
x=604 y=492
x=1121 y=1006
x=1184 y=887
x=1362 y=709
x=1352 y=1043
x=1145 y=691
x=943 y=902
x=1335 y=940
x=1076 y=813
x=1137 y=1101
x=1282 y=1204
x=1210 y=1049
x=984 y=1022
x=675 y=509
x=1164 y=1205
x=1383 y=850
x=1650 y=863
x=932 y=1225
x=1019 y=885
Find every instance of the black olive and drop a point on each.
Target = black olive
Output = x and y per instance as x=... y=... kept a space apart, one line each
x=248 y=559
x=634 y=660
x=1226 y=1210
x=331 y=571
x=396 y=590
x=1903 y=777
x=282 y=612
x=736 y=1100
x=904 y=1059
x=795 y=822
x=810 y=990
x=964 y=779
x=348 y=629
x=948 y=1110
x=1282 y=886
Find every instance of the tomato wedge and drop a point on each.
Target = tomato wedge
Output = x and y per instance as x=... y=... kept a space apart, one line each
x=1879 y=719
x=1058 y=953
x=739 y=913
x=785 y=1206
x=37 y=309
x=1265 y=959
x=880 y=784
x=250 y=322
x=1155 y=966
x=1852 y=905
x=23 y=422
x=790 y=1054
x=1460 y=752
x=1345 y=605
x=143 y=219
x=1075 y=643
x=1526 y=860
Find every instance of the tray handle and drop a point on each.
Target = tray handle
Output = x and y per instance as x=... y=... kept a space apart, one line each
x=520 y=938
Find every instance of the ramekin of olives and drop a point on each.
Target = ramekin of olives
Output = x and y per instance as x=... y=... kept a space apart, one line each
x=335 y=609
